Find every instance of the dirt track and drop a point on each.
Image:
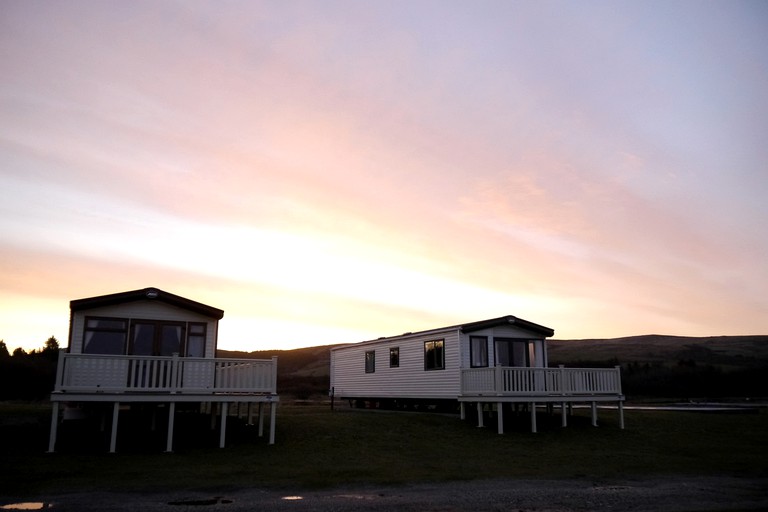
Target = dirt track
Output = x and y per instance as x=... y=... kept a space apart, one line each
x=679 y=494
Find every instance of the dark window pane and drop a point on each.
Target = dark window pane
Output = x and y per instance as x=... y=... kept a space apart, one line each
x=394 y=357
x=105 y=323
x=434 y=355
x=196 y=346
x=170 y=341
x=478 y=351
x=143 y=339
x=104 y=343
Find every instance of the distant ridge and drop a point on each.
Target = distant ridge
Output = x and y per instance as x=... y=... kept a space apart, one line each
x=739 y=350
x=727 y=351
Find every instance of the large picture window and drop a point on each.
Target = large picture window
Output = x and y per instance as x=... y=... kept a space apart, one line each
x=434 y=355
x=105 y=335
x=514 y=352
x=118 y=336
x=370 y=361
x=478 y=351
x=157 y=338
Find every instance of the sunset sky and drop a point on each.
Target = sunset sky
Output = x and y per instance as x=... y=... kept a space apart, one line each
x=331 y=172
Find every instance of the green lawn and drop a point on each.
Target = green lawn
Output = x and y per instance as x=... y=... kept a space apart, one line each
x=316 y=447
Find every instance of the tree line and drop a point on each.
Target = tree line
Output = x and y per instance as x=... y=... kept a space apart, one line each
x=28 y=375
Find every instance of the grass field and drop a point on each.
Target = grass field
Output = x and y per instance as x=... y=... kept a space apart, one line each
x=317 y=448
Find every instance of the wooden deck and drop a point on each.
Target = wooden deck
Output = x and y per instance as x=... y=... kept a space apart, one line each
x=535 y=386
x=134 y=379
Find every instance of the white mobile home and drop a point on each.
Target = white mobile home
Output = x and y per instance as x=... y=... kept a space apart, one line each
x=496 y=361
x=152 y=347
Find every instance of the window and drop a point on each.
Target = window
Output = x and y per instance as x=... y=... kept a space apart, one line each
x=478 y=351
x=434 y=355
x=105 y=335
x=513 y=352
x=370 y=361
x=394 y=357
x=157 y=338
x=196 y=340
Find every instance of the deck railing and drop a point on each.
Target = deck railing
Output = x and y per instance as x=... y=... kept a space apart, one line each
x=95 y=373
x=518 y=381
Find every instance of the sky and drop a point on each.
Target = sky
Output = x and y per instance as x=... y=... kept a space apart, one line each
x=336 y=171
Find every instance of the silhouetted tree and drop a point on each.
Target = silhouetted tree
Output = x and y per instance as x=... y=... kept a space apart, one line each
x=4 y=350
x=51 y=349
x=19 y=352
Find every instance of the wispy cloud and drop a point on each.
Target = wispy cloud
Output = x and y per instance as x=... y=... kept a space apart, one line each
x=333 y=172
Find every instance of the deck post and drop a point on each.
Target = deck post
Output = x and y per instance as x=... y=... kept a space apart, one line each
x=621 y=415
x=500 y=416
x=462 y=411
x=54 y=426
x=60 y=368
x=533 y=417
x=171 y=416
x=175 y=380
x=115 y=416
x=594 y=414
x=480 y=415
x=274 y=374
x=261 y=419
x=249 y=409
x=562 y=378
x=272 y=412
x=223 y=433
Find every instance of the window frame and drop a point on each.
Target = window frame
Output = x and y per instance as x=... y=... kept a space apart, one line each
x=158 y=335
x=124 y=331
x=394 y=357
x=431 y=363
x=484 y=341
x=370 y=361
x=204 y=336
x=527 y=352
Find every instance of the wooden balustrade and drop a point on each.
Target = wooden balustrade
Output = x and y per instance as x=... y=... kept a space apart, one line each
x=96 y=373
x=519 y=381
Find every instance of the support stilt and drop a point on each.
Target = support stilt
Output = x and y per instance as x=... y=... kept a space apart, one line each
x=113 y=438
x=223 y=433
x=563 y=415
x=462 y=411
x=621 y=415
x=54 y=427
x=272 y=412
x=261 y=419
x=594 y=414
x=171 y=417
x=500 y=416
x=214 y=408
x=533 y=417
x=480 y=415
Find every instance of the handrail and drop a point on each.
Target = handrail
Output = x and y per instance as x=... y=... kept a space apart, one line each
x=129 y=373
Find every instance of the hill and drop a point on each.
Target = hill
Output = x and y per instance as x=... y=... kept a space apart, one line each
x=726 y=352
x=652 y=365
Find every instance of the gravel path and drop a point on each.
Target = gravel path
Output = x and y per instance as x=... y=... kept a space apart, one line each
x=678 y=494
